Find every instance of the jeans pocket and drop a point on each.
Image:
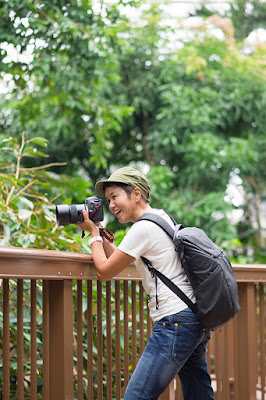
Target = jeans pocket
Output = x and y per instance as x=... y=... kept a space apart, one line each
x=187 y=338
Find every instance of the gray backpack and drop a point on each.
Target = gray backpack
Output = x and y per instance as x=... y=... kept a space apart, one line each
x=208 y=270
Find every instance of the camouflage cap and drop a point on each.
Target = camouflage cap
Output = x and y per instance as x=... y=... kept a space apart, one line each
x=129 y=176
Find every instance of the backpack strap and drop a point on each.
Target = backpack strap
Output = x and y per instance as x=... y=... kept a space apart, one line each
x=157 y=219
x=170 y=285
x=155 y=273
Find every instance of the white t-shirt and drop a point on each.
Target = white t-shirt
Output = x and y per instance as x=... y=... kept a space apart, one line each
x=147 y=239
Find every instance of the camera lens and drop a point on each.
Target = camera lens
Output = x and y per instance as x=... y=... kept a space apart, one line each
x=62 y=215
x=72 y=214
x=66 y=214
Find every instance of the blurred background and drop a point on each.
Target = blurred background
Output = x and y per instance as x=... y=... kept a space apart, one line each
x=174 y=88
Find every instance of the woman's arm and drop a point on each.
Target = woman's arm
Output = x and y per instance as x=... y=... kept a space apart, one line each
x=107 y=268
x=109 y=248
x=88 y=225
x=107 y=259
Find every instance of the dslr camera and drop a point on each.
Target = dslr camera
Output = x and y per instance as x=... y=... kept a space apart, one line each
x=72 y=214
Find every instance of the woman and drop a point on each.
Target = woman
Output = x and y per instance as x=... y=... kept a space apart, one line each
x=178 y=342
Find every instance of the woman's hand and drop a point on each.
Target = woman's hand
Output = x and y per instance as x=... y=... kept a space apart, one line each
x=88 y=225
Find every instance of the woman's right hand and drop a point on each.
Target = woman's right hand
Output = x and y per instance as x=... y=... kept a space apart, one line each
x=88 y=225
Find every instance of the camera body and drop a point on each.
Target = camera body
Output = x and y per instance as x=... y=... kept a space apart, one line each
x=72 y=214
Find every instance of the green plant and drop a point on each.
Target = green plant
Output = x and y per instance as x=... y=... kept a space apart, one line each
x=27 y=213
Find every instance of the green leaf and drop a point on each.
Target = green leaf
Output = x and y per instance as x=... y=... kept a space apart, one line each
x=24 y=214
x=33 y=152
x=40 y=141
x=26 y=202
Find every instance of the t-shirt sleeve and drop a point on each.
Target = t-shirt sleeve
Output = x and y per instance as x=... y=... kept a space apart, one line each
x=137 y=241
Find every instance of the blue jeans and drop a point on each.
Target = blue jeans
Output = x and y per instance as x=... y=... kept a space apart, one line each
x=176 y=346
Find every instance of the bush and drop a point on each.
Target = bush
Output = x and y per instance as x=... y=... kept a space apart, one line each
x=27 y=211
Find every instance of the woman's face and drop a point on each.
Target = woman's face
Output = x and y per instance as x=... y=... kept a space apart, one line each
x=122 y=206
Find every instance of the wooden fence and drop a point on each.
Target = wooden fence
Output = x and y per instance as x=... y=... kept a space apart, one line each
x=64 y=335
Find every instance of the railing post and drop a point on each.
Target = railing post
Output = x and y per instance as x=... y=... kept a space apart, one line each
x=60 y=340
x=6 y=341
x=246 y=342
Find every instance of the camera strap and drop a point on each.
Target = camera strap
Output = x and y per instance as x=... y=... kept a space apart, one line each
x=83 y=235
x=107 y=234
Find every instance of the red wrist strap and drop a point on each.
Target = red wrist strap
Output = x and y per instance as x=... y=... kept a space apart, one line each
x=107 y=234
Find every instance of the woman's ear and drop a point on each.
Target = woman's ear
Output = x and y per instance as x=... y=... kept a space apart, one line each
x=137 y=193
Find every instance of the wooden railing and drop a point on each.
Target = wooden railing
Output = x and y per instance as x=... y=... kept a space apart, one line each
x=64 y=335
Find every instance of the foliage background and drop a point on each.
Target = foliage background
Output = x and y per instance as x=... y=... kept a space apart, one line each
x=89 y=86
x=104 y=90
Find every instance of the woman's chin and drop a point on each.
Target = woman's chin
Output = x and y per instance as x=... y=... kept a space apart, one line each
x=121 y=218
x=118 y=216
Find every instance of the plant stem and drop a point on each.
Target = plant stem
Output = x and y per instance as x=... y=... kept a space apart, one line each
x=17 y=167
x=44 y=166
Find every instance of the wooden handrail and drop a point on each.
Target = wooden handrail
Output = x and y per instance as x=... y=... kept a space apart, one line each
x=50 y=264
x=53 y=255
x=16 y=262
x=250 y=272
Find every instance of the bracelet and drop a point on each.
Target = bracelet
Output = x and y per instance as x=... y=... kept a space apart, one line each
x=95 y=239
